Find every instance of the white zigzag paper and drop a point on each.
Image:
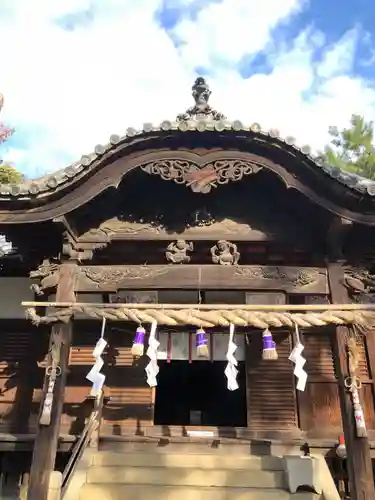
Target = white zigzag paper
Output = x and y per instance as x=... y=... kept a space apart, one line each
x=231 y=371
x=299 y=361
x=94 y=376
x=152 y=369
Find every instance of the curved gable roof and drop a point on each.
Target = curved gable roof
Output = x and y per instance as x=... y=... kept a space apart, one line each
x=50 y=183
x=200 y=118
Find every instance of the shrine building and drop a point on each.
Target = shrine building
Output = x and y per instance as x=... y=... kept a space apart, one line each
x=198 y=256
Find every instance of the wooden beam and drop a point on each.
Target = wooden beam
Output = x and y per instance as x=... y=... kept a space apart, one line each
x=116 y=230
x=208 y=307
x=358 y=449
x=305 y=280
x=46 y=441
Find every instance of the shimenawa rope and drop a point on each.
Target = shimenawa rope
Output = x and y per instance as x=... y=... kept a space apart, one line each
x=211 y=318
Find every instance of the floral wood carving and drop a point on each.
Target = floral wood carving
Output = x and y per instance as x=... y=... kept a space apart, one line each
x=225 y=253
x=113 y=275
x=296 y=277
x=201 y=178
x=176 y=252
x=48 y=273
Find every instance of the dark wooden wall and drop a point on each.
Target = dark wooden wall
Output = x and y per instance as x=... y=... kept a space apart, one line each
x=22 y=350
x=319 y=407
x=129 y=405
x=273 y=402
x=270 y=388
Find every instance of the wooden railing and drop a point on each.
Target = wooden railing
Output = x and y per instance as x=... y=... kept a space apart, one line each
x=89 y=437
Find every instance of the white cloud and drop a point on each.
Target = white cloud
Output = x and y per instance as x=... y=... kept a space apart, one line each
x=121 y=69
x=340 y=57
x=226 y=31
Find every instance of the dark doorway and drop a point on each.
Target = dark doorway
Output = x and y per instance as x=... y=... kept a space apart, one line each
x=196 y=394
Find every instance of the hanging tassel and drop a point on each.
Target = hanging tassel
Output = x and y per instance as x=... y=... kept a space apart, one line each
x=201 y=343
x=138 y=346
x=269 y=346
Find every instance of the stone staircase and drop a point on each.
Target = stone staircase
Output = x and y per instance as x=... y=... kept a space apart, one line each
x=149 y=475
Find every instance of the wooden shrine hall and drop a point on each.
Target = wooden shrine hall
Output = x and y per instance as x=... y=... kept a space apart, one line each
x=199 y=256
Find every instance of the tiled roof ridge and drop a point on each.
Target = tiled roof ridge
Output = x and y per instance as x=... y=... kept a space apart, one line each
x=201 y=117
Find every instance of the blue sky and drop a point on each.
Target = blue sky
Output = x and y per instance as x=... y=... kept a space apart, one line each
x=78 y=71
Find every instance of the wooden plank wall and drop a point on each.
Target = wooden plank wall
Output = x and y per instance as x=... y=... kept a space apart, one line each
x=270 y=386
x=319 y=407
x=273 y=403
x=130 y=404
x=22 y=351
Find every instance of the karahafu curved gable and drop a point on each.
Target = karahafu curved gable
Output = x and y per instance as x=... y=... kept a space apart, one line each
x=201 y=118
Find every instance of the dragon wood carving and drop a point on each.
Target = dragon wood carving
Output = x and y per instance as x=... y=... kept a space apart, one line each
x=116 y=226
x=201 y=178
x=201 y=224
x=48 y=273
x=114 y=275
x=359 y=280
x=296 y=277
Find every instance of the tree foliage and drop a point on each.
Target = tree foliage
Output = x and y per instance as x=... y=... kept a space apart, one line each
x=352 y=149
x=9 y=174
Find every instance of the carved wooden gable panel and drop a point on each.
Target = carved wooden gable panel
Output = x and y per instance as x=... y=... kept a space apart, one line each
x=202 y=174
x=257 y=209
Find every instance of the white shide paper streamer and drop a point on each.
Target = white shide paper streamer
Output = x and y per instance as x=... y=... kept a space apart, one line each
x=96 y=378
x=299 y=362
x=231 y=371
x=152 y=369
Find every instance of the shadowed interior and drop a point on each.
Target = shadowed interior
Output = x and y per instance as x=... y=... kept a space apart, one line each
x=199 y=386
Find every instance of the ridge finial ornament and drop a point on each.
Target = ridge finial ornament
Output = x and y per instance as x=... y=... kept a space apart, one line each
x=201 y=110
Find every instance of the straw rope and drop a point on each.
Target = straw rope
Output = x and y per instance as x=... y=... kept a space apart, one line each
x=210 y=318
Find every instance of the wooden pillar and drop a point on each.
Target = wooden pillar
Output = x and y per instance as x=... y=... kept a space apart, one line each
x=361 y=480
x=46 y=441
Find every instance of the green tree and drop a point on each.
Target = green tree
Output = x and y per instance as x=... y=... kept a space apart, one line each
x=8 y=173
x=353 y=149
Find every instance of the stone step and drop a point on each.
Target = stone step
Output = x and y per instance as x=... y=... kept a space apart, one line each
x=189 y=445
x=179 y=476
x=199 y=461
x=147 y=492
